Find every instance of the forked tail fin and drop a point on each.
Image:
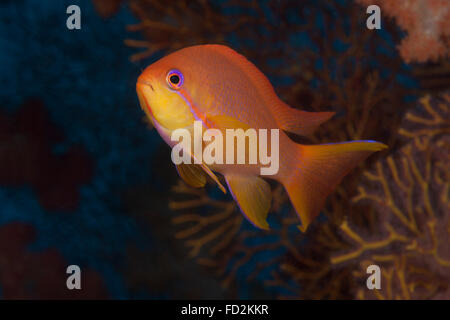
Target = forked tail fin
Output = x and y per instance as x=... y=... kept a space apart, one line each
x=316 y=171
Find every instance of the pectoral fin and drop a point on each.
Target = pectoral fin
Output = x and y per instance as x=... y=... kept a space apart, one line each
x=195 y=178
x=192 y=174
x=214 y=177
x=253 y=196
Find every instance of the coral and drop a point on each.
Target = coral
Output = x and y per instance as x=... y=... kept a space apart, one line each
x=25 y=274
x=180 y=24
x=28 y=157
x=433 y=77
x=410 y=191
x=426 y=23
x=212 y=230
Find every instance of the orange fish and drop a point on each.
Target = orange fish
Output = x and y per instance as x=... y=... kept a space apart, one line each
x=221 y=88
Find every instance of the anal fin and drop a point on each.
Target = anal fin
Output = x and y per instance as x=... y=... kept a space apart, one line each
x=253 y=196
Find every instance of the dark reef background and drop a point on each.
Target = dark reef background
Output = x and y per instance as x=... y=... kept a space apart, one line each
x=84 y=179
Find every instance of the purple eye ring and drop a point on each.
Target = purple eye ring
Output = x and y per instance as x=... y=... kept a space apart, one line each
x=175 y=79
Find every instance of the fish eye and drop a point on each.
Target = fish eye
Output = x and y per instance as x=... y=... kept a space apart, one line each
x=174 y=79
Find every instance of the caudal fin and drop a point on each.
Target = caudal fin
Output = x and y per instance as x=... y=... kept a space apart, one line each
x=316 y=171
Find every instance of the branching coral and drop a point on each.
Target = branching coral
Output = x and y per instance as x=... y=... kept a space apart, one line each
x=213 y=231
x=433 y=77
x=410 y=190
x=228 y=223
x=182 y=23
x=425 y=21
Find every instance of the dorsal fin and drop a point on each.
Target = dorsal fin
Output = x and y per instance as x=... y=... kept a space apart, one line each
x=299 y=122
x=289 y=119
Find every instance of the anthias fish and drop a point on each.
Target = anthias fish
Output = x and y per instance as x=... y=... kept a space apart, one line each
x=220 y=87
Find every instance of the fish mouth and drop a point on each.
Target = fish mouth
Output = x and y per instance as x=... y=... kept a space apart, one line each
x=141 y=88
x=146 y=83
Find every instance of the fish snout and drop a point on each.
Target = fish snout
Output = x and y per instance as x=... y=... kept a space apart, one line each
x=144 y=90
x=145 y=82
